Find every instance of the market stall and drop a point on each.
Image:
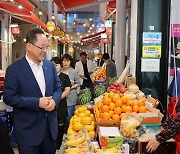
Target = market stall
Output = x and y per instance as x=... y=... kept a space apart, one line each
x=120 y=119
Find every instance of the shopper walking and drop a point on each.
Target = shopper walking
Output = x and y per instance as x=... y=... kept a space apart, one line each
x=110 y=68
x=33 y=89
x=62 y=112
x=67 y=63
x=84 y=68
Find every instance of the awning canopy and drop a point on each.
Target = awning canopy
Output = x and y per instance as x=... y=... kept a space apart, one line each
x=65 y=5
x=23 y=14
x=26 y=4
x=13 y=9
x=91 y=39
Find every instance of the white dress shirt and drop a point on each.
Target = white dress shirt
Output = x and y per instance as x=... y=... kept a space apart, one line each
x=38 y=73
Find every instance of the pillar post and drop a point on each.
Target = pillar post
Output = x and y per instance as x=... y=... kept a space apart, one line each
x=133 y=36
x=120 y=35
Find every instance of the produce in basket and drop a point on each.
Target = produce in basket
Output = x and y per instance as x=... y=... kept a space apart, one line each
x=100 y=74
x=117 y=88
x=129 y=123
x=114 y=79
x=99 y=90
x=84 y=96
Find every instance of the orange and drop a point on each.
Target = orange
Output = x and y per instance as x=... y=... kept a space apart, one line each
x=136 y=108
x=111 y=112
x=106 y=95
x=117 y=110
x=77 y=126
x=122 y=115
x=111 y=95
x=140 y=103
x=130 y=103
x=100 y=115
x=105 y=108
x=106 y=115
x=118 y=103
x=142 y=109
x=111 y=106
x=135 y=102
x=116 y=117
x=123 y=108
x=125 y=99
x=106 y=101
x=115 y=97
x=128 y=109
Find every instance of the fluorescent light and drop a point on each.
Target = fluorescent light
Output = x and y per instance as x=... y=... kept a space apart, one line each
x=13 y=25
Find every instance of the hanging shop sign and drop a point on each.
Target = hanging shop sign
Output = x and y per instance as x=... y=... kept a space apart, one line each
x=151 y=51
x=50 y=26
x=108 y=30
x=15 y=30
x=150 y=65
x=151 y=44
x=103 y=35
x=106 y=40
x=56 y=31
x=61 y=34
x=152 y=38
x=108 y=23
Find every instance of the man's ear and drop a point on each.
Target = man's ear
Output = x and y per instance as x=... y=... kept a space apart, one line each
x=28 y=46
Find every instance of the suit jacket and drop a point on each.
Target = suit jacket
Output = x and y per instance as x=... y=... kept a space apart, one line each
x=100 y=62
x=80 y=70
x=22 y=92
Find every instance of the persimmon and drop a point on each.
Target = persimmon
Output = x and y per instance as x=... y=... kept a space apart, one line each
x=140 y=103
x=122 y=115
x=142 y=109
x=106 y=115
x=111 y=112
x=111 y=106
x=105 y=108
x=128 y=109
x=117 y=110
x=118 y=103
x=123 y=108
x=136 y=108
x=116 y=117
x=106 y=101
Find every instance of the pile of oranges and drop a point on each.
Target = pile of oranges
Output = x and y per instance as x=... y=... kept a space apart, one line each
x=100 y=74
x=113 y=106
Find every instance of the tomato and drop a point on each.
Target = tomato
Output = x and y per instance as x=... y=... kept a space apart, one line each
x=115 y=84
x=118 y=88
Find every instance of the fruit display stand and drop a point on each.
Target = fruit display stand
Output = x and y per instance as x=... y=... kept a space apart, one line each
x=110 y=109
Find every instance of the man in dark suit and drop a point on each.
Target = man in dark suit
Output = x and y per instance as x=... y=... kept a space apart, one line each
x=33 y=89
x=100 y=61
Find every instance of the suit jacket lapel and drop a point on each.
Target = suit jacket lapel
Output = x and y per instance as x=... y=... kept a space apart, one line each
x=26 y=69
x=46 y=75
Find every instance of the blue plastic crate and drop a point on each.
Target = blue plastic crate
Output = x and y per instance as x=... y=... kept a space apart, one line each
x=152 y=126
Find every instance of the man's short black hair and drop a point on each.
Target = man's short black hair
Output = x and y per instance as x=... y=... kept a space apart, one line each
x=83 y=54
x=56 y=60
x=31 y=35
x=106 y=56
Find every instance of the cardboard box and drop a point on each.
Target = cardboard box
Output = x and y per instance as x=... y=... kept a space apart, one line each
x=108 y=123
x=109 y=137
x=149 y=118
